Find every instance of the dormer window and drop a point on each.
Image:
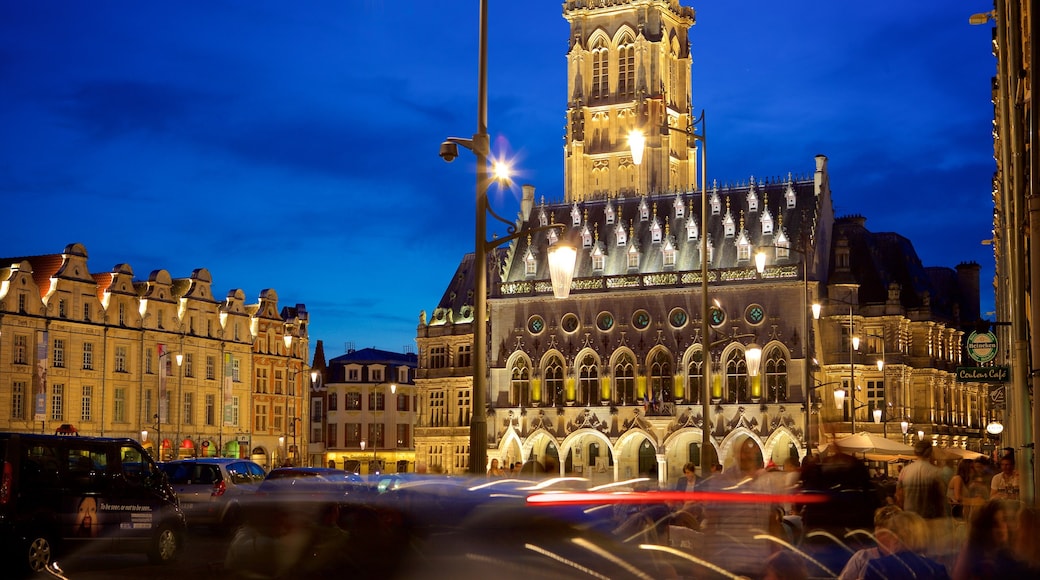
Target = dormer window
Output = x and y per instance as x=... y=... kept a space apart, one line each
x=598 y=260
x=644 y=210
x=743 y=249
x=530 y=263
x=789 y=196
x=767 y=223
x=609 y=213
x=680 y=207
x=621 y=235
x=711 y=250
x=752 y=199
x=668 y=254
x=633 y=258
x=655 y=231
x=783 y=246
x=691 y=229
x=586 y=237
x=543 y=219
x=575 y=215
x=553 y=235
x=716 y=203
x=728 y=226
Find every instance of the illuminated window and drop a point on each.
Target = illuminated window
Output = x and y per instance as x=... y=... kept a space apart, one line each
x=625 y=380
x=520 y=383
x=88 y=356
x=86 y=404
x=553 y=378
x=58 y=360
x=626 y=68
x=600 y=89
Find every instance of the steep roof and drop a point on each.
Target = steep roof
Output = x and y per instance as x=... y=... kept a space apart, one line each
x=375 y=355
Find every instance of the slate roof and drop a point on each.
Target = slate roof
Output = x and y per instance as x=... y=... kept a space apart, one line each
x=792 y=204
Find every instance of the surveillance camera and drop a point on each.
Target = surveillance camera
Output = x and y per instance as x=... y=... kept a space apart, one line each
x=449 y=151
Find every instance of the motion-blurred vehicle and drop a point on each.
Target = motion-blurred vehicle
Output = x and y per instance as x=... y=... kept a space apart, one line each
x=210 y=489
x=62 y=493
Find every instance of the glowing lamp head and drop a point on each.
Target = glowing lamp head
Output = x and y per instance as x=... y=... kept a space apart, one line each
x=636 y=144
x=561 y=268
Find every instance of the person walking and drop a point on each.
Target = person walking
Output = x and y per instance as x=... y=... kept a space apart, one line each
x=920 y=486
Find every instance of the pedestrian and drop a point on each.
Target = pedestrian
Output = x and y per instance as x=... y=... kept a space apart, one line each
x=905 y=540
x=957 y=491
x=920 y=486
x=1004 y=485
x=857 y=564
x=494 y=470
x=988 y=552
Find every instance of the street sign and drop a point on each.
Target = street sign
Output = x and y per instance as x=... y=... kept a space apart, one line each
x=982 y=346
x=998 y=396
x=983 y=374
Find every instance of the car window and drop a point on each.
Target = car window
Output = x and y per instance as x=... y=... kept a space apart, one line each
x=178 y=473
x=40 y=465
x=239 y=473
x=208 y=474
x=256 y=472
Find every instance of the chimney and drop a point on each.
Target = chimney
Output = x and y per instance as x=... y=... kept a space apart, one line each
x=526 y=202
x=968 y=285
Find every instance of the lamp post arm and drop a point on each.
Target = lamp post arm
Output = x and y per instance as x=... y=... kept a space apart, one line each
x=513 y=234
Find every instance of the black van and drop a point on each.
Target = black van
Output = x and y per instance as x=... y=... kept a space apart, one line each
x=59 y=493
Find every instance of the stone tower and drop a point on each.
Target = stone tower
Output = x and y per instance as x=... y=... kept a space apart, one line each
x=628 y=67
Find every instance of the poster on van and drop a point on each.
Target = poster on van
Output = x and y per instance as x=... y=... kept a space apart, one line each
x=92 y=516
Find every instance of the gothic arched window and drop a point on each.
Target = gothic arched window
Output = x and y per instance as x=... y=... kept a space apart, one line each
x=737 y=390
x=695 y=377
x=554 y=394
x=520 y=384
x=661 y=378
x=626 y=69
x=625 y=380
x=775 y=372
x=600 y=89
x=588 y=381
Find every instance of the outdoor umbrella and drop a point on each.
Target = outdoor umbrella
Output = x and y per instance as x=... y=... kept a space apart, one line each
x=956 y=453
x=873 y=444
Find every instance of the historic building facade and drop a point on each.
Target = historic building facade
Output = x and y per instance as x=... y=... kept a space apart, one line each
x=609 y=382
x=162 y=360
x=370 y=411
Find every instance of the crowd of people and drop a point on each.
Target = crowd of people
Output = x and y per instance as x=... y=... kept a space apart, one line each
x=937 y=519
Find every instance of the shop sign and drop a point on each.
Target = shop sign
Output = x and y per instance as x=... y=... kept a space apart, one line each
x=983 y=374
x=982 y=346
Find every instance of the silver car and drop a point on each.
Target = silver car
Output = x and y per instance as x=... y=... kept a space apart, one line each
x=211 y=489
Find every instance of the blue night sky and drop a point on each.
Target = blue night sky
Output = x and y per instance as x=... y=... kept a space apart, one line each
x=293 y=146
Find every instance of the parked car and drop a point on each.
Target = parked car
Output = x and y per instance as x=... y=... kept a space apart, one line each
x=61 y=493
x=211 y=489
x=312 y=480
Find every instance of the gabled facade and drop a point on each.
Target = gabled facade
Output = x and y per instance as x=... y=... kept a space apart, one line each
x=609 y=383
x=99 y=352
x=371 y=411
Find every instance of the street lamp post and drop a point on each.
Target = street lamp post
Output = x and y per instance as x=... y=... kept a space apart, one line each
x=162 y=405
x=295 y=450
x=559 y=255
x=853 y=347
x=879 y=412
x=904 y=426
x=636 y=142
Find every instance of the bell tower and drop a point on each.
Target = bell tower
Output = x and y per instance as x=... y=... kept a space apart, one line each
x=628 y=67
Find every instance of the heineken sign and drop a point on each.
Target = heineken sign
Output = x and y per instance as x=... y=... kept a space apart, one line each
x=982 y=346
x=983 y=374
